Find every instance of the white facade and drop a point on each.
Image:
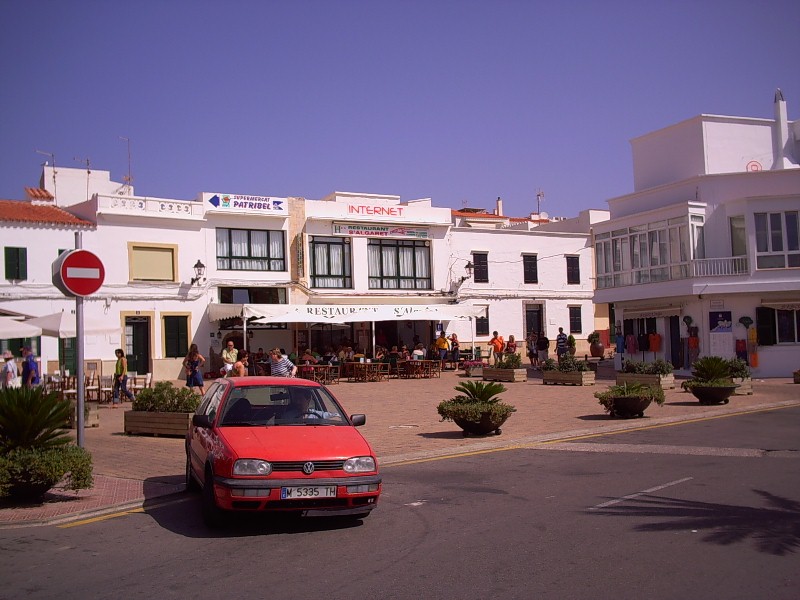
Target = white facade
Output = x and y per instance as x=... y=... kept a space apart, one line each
x=710 y=235
x=260 y=251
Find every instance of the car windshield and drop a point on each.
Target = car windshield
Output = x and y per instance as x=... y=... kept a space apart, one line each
x=281 y=405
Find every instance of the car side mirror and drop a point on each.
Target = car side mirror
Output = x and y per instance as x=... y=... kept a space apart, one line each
x=358 y=420
x=201 y=421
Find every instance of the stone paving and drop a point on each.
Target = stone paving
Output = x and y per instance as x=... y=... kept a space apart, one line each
x=402 y=425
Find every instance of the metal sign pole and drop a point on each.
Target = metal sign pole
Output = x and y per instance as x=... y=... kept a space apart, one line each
x=79 y=342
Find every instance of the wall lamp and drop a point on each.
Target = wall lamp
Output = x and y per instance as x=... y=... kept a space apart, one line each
x=469 y=268
x=199 y=271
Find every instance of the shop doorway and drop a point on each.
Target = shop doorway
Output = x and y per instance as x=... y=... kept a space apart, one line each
x=137 y=344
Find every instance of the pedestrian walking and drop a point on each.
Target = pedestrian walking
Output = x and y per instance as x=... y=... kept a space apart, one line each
x=497 y=345
x=280 y=366
x=542 y=348
x=455 y=349
x=121 y=379
x=10 y=375
x=442 y=347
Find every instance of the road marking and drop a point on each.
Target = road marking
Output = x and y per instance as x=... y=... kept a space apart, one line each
x=122 y=513
x=642 y=493
x=658 y=449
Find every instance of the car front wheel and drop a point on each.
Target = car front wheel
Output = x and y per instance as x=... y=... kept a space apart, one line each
x=212 y=514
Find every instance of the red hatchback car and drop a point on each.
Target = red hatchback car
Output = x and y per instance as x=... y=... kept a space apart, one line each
x=278 y=444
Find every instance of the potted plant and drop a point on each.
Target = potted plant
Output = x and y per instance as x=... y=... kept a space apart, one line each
x=567 y=371
x=508 y=369
x=572 y=345
x=711 y=382
x=659 y=372
x=35 y=451
x=162 y=410
x=741 y=376
x=630 y=399
x=596 y=347
x=796 y=376
x=473 y=368
x=477 y=408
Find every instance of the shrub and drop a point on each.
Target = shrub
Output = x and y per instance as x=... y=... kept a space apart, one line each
x=32 y=418
x=738 y=368
x=27 y=473
x=510 y=360
x=35 y=451
x=642 y=391
x=571 y=341
x=549 y=365
x=477 y=398
x=593 y=337
x=165 y=397
x=568 y=364
x=657 y=367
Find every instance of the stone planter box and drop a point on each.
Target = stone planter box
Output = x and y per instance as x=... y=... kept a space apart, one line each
x=745 y=386
x=667 y=382
x=157 y=423
x=573 y=378
x=510 y=375
x=91 y=414
x=474 y=371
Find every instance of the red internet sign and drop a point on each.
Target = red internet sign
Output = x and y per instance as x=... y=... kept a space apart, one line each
x=78 y=273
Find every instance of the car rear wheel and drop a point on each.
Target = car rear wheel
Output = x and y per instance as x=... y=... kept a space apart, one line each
x=191 y=482
x=212 y=514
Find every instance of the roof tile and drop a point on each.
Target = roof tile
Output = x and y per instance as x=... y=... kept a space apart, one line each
x=18 y=211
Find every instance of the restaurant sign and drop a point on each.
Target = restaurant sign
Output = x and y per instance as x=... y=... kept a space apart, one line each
x=375 y=230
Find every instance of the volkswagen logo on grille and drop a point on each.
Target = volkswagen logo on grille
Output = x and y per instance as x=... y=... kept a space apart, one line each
x=308 y=468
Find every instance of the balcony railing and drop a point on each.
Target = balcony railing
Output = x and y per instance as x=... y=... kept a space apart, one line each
x=720 y=267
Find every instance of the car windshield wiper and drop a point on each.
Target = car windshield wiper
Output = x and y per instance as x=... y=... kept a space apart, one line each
x=238 y=424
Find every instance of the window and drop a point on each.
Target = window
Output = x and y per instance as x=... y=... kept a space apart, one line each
x=399 y=264
x=330 y=262
x=16 y=263
x=250 y=250
x=575 y=325
x=152 y=263
x=176 y=336
x=251 y=295
x=776 y=326
x=777 y=240
x=738 y=236
x=480 y=260
x=482 y=323
x=573 y=270
x=530 y=270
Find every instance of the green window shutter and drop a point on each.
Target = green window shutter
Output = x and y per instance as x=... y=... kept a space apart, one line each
x=176 y=336
x=765 y=326
x=16 y=262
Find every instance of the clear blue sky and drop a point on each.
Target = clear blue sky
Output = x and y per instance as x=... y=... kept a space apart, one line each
x=461 y=101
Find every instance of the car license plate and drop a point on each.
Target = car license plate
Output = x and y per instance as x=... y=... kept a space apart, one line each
x=300 y=493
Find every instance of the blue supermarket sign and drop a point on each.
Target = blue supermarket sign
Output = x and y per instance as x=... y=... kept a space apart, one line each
x=240 y=203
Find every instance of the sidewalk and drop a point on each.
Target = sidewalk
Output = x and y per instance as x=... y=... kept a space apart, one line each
x=402 y=424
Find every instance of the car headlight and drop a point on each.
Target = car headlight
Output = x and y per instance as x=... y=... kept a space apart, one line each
x=359 y=464
x=251 y=466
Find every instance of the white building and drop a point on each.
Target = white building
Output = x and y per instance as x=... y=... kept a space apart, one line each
x=708 y=242
x=292 y=272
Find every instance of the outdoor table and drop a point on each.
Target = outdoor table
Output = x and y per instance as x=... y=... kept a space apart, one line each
x=320 y=373
x=367 y=371
x=419 y=369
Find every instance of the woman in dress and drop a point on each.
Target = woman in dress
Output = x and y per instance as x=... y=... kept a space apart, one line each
x=192 y=363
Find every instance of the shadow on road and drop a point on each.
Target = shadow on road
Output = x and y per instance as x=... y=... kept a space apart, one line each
x=774 y=529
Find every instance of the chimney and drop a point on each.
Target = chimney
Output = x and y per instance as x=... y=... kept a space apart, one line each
x=499 y=211
x=780 y=135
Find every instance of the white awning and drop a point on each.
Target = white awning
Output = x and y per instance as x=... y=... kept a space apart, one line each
x=344 y=313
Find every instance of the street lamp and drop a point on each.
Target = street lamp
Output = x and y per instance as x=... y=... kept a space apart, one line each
x=199 y=271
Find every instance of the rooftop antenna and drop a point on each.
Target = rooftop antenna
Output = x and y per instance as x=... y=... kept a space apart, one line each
x=53 y=158
x=88 y=172
x=128 y=179
x=539 y=198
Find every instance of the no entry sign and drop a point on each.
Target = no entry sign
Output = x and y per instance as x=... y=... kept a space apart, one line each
x=78 y=273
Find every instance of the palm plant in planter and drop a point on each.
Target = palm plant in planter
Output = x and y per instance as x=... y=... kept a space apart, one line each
x=35 y=452
x=711 y=381
x=477 y=409
x=630 y=399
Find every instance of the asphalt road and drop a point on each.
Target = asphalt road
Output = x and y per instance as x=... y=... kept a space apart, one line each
x=707 y=509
